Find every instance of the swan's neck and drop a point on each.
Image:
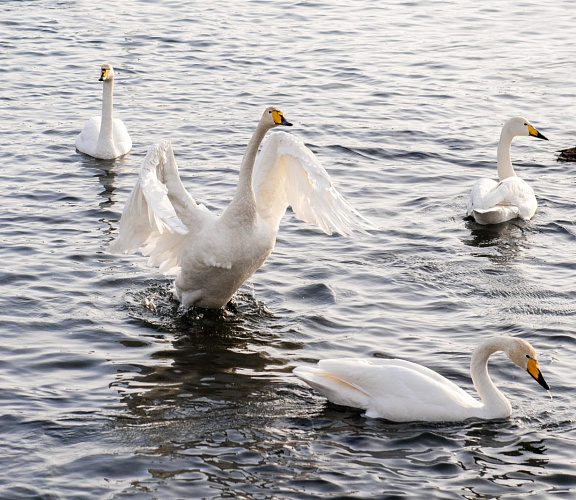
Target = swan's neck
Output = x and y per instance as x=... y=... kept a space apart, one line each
x=495 y=403
x=505 y=168
x=243 y=205
x=106 y=130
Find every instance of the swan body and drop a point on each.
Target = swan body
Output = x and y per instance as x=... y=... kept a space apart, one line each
x=493 y=202
x=105 y=137
x=402 y=391
x=213 y=256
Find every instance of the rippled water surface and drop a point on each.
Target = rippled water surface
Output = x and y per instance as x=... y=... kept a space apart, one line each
x=108 y=391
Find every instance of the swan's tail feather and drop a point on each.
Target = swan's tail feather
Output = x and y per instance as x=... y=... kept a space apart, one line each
x=495 y=215
x=333 y=387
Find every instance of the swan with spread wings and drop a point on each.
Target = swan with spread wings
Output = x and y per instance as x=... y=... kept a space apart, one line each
x=214 y=255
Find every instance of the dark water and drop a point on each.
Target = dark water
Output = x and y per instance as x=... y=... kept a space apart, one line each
x=107 y=391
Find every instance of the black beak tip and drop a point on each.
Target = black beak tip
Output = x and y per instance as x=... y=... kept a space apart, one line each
x=101 y=79
x=541 y=381
x=540 y=136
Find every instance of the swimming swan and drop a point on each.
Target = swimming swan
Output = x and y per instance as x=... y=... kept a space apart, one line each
x=494 y=202
x=103 y=136
x=213 y=255
x=402 y=391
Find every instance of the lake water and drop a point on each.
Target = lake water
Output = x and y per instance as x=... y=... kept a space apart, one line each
x=107 y=391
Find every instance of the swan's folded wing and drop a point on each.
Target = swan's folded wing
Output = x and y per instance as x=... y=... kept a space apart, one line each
x=287 y=173
x=373 y=375
x=159 y=212
x=512 y=191
x=478 y=193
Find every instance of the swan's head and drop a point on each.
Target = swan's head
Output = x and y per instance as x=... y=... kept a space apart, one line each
x=273 y=117
x=518 y=126
x=106 y=73
x=524 y=355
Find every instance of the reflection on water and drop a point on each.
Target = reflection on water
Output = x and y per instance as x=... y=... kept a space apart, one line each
x=206 y=359
x=107 y=172
x=501 y=243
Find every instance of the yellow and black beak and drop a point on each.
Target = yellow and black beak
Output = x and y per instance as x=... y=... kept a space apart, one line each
x=103 y=74
x=534 y=133
x=279 y=119
x=533 y=369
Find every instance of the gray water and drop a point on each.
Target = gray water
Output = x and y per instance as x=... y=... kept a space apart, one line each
x=108 y=391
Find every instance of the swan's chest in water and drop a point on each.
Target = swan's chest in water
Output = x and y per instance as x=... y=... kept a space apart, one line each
x=235 y=248
x=222 y=261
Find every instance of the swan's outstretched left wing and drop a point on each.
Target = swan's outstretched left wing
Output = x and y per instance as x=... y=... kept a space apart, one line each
x=159 y=212
x=287 y=173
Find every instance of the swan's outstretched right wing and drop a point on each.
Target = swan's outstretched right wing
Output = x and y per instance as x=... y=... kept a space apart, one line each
x=159 y=212
x=287 y=173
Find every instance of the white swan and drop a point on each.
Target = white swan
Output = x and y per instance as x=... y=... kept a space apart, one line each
x=104 y=136
x=494 y=202
x=402 y=391
x=216 y=255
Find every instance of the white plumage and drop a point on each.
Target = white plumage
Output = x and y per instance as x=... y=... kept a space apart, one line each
x=213 y=256
x=493 y=202
x=402 y=391
x=105 y=137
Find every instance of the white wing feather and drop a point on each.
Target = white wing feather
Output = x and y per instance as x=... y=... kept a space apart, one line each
x=287 y=173
x=159 y=212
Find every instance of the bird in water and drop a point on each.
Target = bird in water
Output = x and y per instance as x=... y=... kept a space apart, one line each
x=567 y=154
x=212 y=255
x=493 y=202
x=104 y=136
x=402 y=391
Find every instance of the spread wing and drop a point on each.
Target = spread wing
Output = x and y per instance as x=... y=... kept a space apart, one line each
x=287 y=173
x=159 y=212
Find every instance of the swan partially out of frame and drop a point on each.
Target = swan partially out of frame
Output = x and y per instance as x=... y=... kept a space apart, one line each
x=568 y=154
x=402 y=391
x=214 y=255
x=493 y=202
x=104 y=136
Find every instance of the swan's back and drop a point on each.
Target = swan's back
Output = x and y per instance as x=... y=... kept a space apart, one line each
x=494 y=202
